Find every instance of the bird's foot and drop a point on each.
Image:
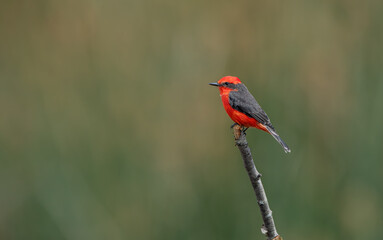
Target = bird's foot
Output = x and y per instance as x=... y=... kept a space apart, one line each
x=244 y=129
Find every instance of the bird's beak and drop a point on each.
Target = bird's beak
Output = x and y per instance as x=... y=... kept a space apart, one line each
x=215 y=84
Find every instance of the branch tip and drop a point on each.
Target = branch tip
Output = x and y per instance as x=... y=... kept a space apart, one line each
x=237 y=131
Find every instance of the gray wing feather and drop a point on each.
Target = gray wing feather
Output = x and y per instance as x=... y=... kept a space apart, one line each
x=243 y=101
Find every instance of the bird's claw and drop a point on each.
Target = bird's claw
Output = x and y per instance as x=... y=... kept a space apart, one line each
x=244 y=129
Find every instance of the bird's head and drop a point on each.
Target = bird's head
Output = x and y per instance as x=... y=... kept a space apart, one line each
x=227 y=83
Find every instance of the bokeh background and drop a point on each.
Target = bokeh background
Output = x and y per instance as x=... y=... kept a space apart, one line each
x=109 y=129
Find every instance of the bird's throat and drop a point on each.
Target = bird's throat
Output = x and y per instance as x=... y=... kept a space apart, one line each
x=223 y=91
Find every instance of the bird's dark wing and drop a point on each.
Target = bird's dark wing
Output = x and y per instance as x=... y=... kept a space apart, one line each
x=244 y=102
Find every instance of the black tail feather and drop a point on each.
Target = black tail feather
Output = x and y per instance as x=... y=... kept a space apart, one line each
x=278 y=138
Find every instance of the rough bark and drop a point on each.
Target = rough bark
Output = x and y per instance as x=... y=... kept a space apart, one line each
x=268 y=227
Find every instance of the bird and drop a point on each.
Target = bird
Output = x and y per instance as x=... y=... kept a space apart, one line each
x=243 y=109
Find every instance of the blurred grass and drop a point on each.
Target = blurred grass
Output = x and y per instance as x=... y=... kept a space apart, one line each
x=110 y=131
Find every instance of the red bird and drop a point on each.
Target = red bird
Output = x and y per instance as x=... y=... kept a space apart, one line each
x=243 y=108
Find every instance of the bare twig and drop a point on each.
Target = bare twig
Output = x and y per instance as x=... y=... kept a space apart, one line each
x=268 y=227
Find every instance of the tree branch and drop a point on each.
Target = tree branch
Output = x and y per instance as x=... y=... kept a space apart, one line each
x=268 y=227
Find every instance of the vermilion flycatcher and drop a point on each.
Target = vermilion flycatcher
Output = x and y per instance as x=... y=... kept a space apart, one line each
x=242 y=107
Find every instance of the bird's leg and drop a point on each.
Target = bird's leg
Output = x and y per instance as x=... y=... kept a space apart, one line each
x=241 y=129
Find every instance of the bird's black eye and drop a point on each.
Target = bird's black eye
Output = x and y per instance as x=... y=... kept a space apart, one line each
x=225 y=83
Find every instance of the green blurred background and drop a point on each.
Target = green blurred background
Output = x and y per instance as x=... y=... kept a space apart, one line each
x=109 y=129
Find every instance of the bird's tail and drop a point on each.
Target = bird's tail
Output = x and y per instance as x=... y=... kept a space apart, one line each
x=278 y=138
